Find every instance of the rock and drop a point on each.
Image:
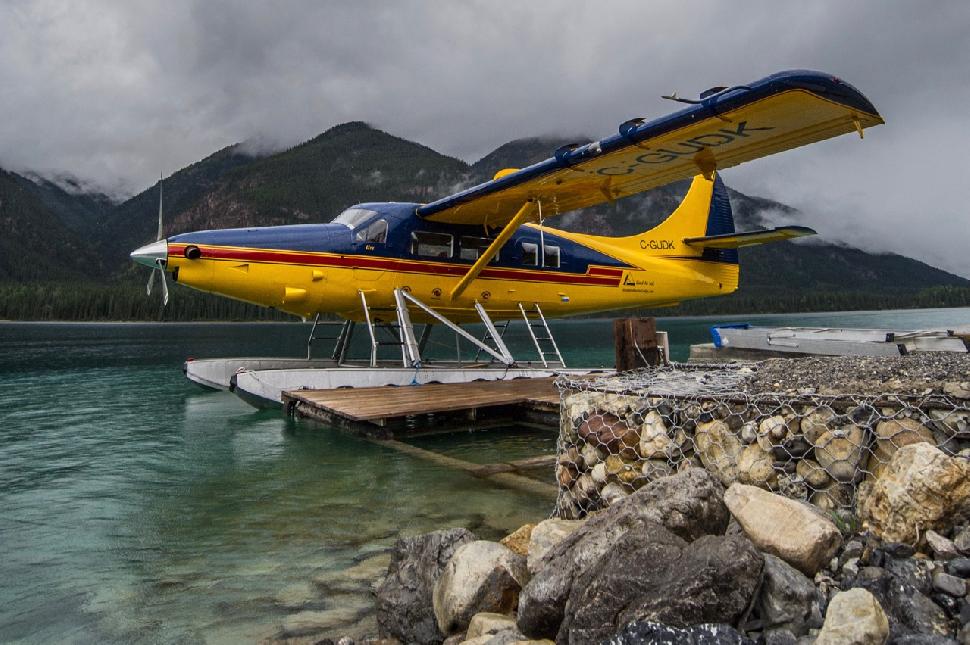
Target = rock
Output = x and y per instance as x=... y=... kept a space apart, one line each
x=962 y=540
x=839 y=451
x=614 y=492
x=642 y=632
x=833 y=498
x=755 y=467
x=609 y=432
x=689 y=504
x=718 y=448
x=815 y=423
x=655 y=469
x=788 y=600
x=908 y=610
x=813 y=474
x=712 y=579
x=958 y=390
x=489 y=623
x=481 y=576
x=783 y=527
x=591 y=455
x=599 y=473
x=916 y=572
x=404 y=599
x=310 y=622
x=943 y=549
x=518 y=541
x=921 y=488
x=772 y=431
x=959 y=567
x=545 y=535
x=654 y=439
x=950 y=585
x=893 y=434
x=854 y=617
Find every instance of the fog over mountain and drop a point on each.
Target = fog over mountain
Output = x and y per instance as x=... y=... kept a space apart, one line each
x=111 y=93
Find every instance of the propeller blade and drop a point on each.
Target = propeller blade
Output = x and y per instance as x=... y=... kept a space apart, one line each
x=151 y=281
x=159 y=236
x=164 y=286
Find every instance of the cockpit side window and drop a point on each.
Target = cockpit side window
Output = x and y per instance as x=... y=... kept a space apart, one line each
x=374 y=233
x=530 y=254
x=471 y=248
x=434 y=245
x=354 y=217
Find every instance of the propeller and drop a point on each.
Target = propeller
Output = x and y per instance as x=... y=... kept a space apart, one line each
x=155 y=254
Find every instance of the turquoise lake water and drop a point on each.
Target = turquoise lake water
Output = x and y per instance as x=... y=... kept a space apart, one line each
x=136 y=507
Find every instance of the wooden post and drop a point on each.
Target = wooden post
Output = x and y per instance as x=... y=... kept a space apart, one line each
x=636 y=343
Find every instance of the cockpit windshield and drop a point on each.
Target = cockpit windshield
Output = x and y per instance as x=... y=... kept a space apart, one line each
x=354 y=217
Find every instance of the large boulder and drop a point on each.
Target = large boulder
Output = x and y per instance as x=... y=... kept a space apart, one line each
x=921 y=488
x=788 y=600
x=480 y=577
x=710 y=580
x=404 y=604
x=854 y=617
x=689 y=504
x=645 y=631
x=908 y=610
x=789 y=529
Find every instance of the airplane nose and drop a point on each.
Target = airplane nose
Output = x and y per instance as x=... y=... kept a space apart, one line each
x=150 y=254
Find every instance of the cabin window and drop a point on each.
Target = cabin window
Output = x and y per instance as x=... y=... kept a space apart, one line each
x=354 y=217
x=530 y=254
x=550 y=257
x=472 y=248
x=434 y=245
x=375 y=232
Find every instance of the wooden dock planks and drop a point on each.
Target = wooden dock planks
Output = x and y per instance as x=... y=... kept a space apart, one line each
x=378 y=404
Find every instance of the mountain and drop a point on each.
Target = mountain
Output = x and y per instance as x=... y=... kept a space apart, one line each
x=85 y=237
x=37 y=240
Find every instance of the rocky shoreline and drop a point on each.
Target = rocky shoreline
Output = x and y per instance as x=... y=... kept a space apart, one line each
x=685 y=560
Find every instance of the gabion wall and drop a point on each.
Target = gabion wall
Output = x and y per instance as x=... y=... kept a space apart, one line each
x=619 y=433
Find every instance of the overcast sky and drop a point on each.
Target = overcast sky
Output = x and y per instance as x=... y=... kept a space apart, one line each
x=115 y=92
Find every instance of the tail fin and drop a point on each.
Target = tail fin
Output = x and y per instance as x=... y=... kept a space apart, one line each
x=704 y=211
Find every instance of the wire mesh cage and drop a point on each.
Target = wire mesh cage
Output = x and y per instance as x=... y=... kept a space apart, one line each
x=619 y=433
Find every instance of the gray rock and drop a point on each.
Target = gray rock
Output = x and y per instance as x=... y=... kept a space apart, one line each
x=711 y=580
x=950 y=585
x=480 y=577
x=959 y=567
x=780 y=637
x=914 y=571
x=688 y=504
x=962 y=540
x=908 y=610
x=943 y=549
x=404 y=605
x=788 y=600
x=644 y=632
x=923 y=639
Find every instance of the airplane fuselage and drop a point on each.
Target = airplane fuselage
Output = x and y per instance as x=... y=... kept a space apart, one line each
x=376 y=248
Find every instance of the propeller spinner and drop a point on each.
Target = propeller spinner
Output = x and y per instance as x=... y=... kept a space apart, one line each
x=155 y=255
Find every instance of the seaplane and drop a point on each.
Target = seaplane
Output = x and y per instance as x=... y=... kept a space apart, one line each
x=485 y=254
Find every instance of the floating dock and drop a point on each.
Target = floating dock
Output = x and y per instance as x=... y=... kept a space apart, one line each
x=384 y=411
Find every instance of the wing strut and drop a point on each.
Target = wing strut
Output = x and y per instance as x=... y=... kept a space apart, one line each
x=520 y=218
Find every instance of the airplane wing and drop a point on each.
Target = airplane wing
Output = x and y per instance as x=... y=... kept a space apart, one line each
x=725 y=127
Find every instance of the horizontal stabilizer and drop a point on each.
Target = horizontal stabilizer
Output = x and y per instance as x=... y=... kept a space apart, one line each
x=751 y=238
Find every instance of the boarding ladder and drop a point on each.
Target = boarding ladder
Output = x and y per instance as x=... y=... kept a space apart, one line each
x=545 y=344
x=341 y=340
x=488 y=339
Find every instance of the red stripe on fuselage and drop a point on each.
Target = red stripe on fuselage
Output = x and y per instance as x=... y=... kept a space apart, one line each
x=595 y=275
